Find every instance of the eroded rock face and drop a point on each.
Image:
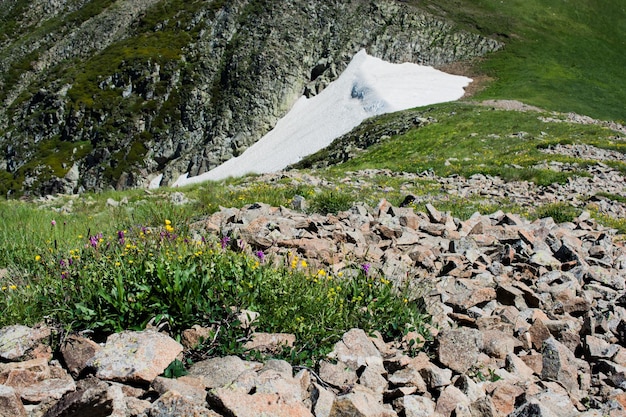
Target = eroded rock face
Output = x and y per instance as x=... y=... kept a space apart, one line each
x=135 y=357
x=19 y=342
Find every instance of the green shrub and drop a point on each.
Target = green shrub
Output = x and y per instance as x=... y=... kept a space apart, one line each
x=560 y=212
x=331 y=202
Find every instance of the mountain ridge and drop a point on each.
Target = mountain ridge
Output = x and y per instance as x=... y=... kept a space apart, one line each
x=167 y=90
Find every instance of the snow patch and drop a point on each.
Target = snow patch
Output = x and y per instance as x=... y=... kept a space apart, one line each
x=368 y=87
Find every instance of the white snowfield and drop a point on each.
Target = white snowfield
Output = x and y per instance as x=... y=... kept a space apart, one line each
x=369 y=86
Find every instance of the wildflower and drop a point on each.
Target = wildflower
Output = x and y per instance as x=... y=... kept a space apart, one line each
x=93 y=241
x=366 y=268
x=13 y=287
x=224 y=242
x=64 y=275
x=53 y=223
x=259 y=254
x=304 y=264
x=120 y=237
x=37 y=258
x=167 y=222
x=321 y=272
x=62 y=263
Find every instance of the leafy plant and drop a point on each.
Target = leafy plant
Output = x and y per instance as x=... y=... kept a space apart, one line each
x=560 y=212
x=125 y=279
x=176 y=369
x=331 y=201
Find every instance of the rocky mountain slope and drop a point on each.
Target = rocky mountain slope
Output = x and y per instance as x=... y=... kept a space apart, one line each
x=103 y=93
x=529 y=320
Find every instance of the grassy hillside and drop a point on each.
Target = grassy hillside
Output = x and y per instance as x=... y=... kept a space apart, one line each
x=470 y=139
x=559 y=55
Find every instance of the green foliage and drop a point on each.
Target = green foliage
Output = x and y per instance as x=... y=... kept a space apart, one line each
x=618 y=224
x=331 y=201
x=560 y=212
x=123 y=279
x=614 y=197
x=175 y=369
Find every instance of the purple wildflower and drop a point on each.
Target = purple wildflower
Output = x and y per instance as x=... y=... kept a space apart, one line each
x=53 y=223
x=259 y=254
x=224 y=242
x=62 y=263
x=366 y=268
x=120 y=237
x=64 y=275
x=93 y=241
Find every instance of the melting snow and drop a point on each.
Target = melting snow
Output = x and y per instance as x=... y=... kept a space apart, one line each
x=369 y=86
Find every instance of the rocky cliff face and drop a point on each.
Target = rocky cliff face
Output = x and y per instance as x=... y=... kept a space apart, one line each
x=103 y=93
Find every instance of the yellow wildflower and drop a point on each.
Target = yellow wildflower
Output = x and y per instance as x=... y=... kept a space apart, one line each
x=321 y=272
x=13 y=287
x=37 y=258
x=304 y=264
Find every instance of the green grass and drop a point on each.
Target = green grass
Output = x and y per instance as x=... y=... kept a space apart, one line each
x=558 y=55
x=83 y=272
x=471 y=139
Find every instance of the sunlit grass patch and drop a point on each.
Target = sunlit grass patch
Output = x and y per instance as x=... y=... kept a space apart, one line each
x=128 y=277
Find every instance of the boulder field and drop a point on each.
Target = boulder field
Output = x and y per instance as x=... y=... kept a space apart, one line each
x=528 y=319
